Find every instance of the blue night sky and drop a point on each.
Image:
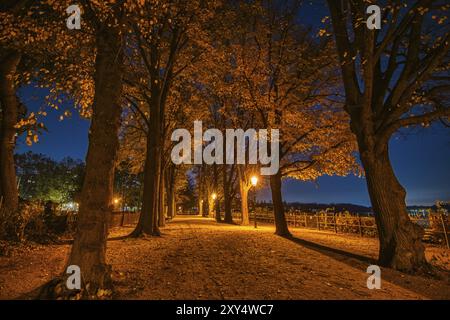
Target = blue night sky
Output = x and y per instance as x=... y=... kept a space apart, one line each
x=420 y=158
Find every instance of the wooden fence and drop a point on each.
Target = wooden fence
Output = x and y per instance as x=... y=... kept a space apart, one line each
x=436 y=225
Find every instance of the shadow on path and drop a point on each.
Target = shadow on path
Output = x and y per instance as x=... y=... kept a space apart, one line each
x=425 y=284
x=334 y=253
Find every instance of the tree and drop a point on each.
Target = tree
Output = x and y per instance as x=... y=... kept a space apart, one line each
x=128 y=186
x=288 y=82
x=245 y=173
x=30 y=30
x=12 y=48
x=44 y=179
x=54 y=66
x=8 y=189
x=88 y=251
x=162 y=54
x=393 y=77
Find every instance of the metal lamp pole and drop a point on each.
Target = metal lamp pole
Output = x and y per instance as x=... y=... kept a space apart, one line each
x=254 y=206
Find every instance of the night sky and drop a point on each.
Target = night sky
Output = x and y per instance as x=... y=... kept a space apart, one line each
x=420 y=157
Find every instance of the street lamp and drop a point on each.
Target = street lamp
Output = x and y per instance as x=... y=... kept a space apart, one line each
x=214 y=196
x=116 y=202
x=254 y=182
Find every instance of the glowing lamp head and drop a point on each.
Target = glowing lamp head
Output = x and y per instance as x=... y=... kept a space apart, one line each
x=254 y=180
x=214 y=196
x=116 y=200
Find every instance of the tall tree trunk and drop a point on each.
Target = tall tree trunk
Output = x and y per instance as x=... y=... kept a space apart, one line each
x=9 y=117
x=216 y=188
x=200 y=206
x=147 y=223
x=173 y=203
x=201 y=193
x=89 y=248
x=210 y=204
x=400 y=239
x=244 y=202
x=170 y=203
x=162 y=201
x=148 y=220
x=211 y=208
x=228 y=217
x=170 y=183
x=281 y=227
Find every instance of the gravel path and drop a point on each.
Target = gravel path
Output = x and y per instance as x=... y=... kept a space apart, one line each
x=196 y=258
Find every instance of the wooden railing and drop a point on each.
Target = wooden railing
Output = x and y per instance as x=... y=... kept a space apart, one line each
x=436 y=225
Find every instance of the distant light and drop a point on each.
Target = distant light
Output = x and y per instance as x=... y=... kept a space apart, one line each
x=214 y=196
x=69 y=206
x=254 y=180
x=116 y=200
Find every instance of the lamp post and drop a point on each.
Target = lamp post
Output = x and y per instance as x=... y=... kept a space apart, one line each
x=200 y=210
x=254 y=181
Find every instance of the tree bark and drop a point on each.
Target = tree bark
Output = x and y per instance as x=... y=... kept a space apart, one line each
x=200 y=207
x=173 y=204
x=162 y=201
x=148 y=220
x=200 y=196
x=228 y=217
x=211 y=202
x=244 y=202
x=170 y=182
x=400 y=239
x=147 y=223
x=216 y=201
x=170 y=207
x=9 y=117
x=281 y=227
x=89 y=248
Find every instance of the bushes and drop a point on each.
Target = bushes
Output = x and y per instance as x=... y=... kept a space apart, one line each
x=5 y=248
x=31 y=222
x=13 y=224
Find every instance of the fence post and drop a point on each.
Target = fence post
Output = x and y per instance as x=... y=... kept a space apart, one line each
x=335 y=223
x=444 y=228
x=318 y=221
x=360 y=225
